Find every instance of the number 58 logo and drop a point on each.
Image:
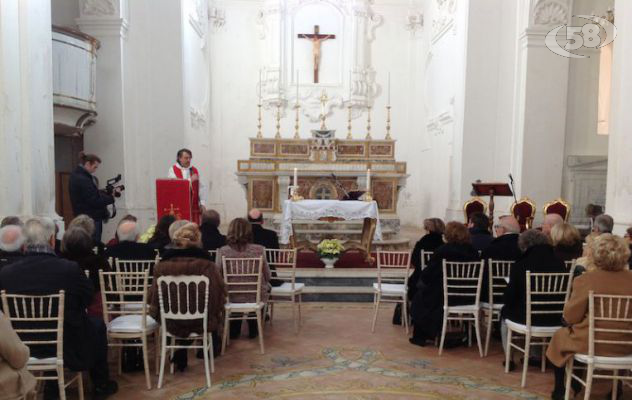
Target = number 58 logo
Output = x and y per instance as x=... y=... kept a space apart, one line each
x=588 y=35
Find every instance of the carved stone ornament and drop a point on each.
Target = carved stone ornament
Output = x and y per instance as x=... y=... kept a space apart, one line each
x=199 y=18
x=99 y=8
x=550 y=13
x=443 y=19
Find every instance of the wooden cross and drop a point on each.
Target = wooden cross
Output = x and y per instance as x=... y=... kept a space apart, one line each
x=316 y=39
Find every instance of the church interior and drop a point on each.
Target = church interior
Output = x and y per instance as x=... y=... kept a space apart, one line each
x=350 y=121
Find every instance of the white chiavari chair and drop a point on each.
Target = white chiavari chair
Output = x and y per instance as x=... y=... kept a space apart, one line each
x=497 y=279
x=284 y=263
x=393 y=270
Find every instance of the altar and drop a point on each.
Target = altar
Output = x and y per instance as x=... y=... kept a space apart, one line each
x=327 y=168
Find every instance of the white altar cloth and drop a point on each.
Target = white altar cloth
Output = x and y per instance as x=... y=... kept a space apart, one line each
x=315 y=209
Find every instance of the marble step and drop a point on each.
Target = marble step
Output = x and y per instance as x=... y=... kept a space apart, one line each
x=337 y=285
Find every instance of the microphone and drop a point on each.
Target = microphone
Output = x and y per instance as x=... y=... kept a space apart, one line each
x=511 y=180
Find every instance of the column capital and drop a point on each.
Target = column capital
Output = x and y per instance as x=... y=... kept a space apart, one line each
x=540 y=16
x=103 y=17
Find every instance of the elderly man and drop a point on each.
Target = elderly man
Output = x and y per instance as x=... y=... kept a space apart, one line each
x=41 y=272
x=11 y=220
x=505 y=245
x=603 y=224
x=550 y=220
x=261 y=236
x=11 y=240
x=128 y=247
x=212 y=239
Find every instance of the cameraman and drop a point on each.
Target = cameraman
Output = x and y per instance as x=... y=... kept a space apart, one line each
x=85 y=196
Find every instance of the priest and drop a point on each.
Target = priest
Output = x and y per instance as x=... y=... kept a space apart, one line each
x=183 y=169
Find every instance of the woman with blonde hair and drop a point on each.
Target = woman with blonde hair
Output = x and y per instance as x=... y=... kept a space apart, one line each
x=567 y=242
x=609 y=254
x=186 y=257
x=239 y=245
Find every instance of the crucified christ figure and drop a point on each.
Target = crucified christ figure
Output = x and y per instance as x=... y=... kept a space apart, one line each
x=316 y=38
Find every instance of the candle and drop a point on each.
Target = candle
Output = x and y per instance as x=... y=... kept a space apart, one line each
x=368 y=180
x=260 y=85
x=389 y=88
x=295 y=177
x=350 y=85
x=297 y=86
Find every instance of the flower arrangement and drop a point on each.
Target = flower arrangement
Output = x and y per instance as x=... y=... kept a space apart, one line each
x=330 y=248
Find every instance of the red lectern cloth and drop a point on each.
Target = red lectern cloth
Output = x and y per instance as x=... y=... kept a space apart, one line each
x=173 y=196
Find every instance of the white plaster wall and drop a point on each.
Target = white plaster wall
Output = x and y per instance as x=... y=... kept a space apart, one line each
x=64 y=12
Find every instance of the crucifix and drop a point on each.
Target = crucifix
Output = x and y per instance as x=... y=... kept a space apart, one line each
x=316 y=38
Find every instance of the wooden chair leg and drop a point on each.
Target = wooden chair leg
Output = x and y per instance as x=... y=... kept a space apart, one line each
x=569 y=378
x=525 y=363
x=376 y=301
x=119 y=351
x=210 y=349
x=61 y=383
x=543 y=357
x=80 y=385
x=225 y=336
x=443 y=331
x=207 y=373
x=271 y=305
x=163 y=356
x=259 y=325
x=488 y=333
x=157 y=349
x=477 y=330
x=589 y=378
x=615 y=384
x=146 y=362
x=508 y=350
x=405 y=314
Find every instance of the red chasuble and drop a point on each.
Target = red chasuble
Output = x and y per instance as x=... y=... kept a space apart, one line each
x=195 y=193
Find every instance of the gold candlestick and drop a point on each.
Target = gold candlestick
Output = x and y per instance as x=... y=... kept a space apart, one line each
x=368 y=124
x=388 y=122
x=278 y=122
x=296 y=125
x=259 y=135
x=349 y=136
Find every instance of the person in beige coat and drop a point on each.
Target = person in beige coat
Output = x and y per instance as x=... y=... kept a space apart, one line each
x=609 y=255
x=15 y=381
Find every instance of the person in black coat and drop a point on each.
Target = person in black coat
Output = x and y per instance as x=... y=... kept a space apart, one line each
x=212 y=239
x=85 y=196
x=261 y=236
x=160 y=238
x=503 y=248
x=41 y=272
x=431 y=241
x=567 y=242
x=538 y=257
x=128 y=248
x=427 y=305
x=479 y=231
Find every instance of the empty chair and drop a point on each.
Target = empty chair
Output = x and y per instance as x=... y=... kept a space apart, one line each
x=284 y=263
x=39 y=321
x=178 y=297
x=461 y=296
x=243 y=283
x=393 y=270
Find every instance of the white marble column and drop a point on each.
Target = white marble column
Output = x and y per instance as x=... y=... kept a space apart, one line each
x=27 y=180
x=540 y=106
x=619 y=189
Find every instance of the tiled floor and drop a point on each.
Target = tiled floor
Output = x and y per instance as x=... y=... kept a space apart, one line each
x=335 y=356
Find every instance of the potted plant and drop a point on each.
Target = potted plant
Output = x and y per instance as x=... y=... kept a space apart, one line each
x=329 y=251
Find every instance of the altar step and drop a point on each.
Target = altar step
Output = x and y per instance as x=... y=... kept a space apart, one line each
x=337 y=285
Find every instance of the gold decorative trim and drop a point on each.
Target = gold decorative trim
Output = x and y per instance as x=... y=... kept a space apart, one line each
x=561 y=201
x=472 y=201
x=530 y=218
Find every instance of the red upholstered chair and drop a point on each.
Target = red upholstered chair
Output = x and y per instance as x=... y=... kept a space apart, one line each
x=474 y=205
x=524 y=212
x=559 y=207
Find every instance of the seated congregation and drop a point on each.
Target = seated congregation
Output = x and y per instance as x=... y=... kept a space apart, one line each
x=538 y=291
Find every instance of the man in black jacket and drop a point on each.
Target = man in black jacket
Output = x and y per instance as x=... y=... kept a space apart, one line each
x=261 y=236
x=11 y=240
x=85 y=196
x=212 y=239
x=41 y=272
x=479 y=231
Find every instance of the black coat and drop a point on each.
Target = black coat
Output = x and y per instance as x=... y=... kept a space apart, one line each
x=503 y=248
x=427 y=305
x=212 y=239
x=481 y=238
x=85 y=196
x=44 y=274
x=88 y=261
x=537 y=259
x=264 y=237
x=131 y=251
x=430 y=242
x=569 y=253
x=9 y=257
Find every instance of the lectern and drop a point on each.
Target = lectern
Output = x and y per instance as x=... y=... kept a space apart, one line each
x=491 y=190
x=175 y=197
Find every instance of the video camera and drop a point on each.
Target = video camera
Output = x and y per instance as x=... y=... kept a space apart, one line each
x=110 y=187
